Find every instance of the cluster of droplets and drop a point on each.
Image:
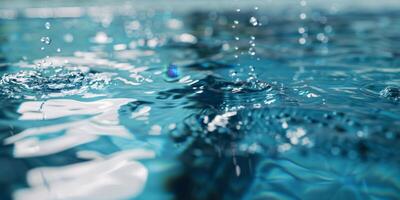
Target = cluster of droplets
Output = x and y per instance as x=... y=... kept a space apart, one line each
x=237 y=38
x=302 y=30
x=46 y=42
x=323 y=36
x=252 y=45
x=253 y=22
x=251 y=51
x=46 y=39
x=245 y=77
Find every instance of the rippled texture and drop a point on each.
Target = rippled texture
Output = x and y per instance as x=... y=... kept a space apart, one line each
x=129 y=103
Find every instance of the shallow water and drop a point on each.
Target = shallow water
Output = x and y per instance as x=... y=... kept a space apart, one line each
x=261 y=105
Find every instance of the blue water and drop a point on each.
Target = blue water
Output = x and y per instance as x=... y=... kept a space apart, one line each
x=200 y=104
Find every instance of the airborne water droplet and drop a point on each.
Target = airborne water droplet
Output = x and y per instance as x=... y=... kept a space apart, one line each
x=302 y=30
x=47 y=25
x=302 y=40
x=237 y=169
x=253 y=21
x=68 y=38
x=303 y=16
x=45 y=40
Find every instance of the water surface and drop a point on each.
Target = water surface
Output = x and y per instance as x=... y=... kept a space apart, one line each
x=239 y=103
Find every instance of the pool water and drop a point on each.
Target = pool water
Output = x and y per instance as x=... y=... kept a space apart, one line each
x=105 y=103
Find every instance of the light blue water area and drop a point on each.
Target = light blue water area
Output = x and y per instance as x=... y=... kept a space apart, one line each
x=101 y=103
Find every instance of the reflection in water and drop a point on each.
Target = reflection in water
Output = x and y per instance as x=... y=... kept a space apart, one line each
x=113 y=177
x=103 y=121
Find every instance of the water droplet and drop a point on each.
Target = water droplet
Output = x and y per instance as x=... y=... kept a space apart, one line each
x=45 y=40
x=303 y=16
x=302 y=40
x=301 y=30
x=172 y=71
x=321 y=37
x=236 y=22
x=68 y=38
x=237 y=168
x=253 y=21
x=251 y=52
x=47 y=25
x=172 y=24
x=58 y=50
x=119 y=47
x=328 y=29
x=152 y=43
x=101 y=38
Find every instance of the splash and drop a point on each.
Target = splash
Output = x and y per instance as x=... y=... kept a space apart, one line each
x=51 y=82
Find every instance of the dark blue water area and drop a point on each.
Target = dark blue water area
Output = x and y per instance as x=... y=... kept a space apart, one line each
x=201 y=105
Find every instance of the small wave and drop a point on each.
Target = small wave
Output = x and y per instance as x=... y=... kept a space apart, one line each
x=229 y=95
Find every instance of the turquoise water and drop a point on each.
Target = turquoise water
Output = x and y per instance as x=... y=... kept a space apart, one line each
x=237 y=103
